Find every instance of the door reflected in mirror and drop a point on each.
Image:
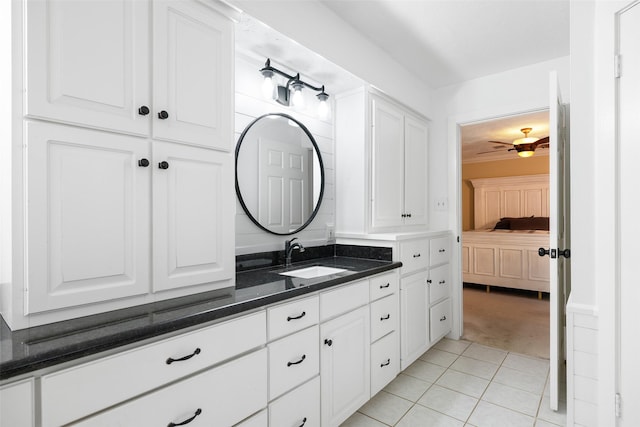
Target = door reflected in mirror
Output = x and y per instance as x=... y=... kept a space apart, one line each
x=279 y=174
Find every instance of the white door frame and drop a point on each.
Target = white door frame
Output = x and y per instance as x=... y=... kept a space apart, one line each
x=455 y=192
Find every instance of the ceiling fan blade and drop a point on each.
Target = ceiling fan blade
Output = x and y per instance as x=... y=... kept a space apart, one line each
x=501 y=142
x=486 y=152
x=544 y=140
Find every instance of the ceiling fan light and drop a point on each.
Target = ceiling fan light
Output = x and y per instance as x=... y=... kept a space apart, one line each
x=525 y=153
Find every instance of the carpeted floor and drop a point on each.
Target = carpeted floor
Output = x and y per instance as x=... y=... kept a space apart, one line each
x=512 y=320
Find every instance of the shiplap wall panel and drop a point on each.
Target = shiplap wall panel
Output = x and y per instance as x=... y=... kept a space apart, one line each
x=250 y=105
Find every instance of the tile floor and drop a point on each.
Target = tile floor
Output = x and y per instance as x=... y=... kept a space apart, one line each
x=459 y=383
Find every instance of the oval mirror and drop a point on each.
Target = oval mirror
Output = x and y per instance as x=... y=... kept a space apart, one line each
x=279 y=174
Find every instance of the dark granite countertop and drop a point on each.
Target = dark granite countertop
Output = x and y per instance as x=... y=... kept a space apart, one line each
x=28 y=350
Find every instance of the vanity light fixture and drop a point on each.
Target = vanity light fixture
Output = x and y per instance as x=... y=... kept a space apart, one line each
x=291 y=93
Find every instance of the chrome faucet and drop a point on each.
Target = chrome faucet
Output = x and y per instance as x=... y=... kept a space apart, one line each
x=289 y=246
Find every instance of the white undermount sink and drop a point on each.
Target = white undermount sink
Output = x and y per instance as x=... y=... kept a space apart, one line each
x=312 y=272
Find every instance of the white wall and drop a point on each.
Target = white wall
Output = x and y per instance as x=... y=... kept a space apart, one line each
x=249 y=106
x=313 y=25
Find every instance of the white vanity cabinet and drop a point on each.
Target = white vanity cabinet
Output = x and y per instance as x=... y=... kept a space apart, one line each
x=17 y=404
x=392 y=174
x=156 y=68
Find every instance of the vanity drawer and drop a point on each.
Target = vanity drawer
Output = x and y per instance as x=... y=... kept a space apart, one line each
x=285 y=319
x=384 y=316
x=145 y=368
x=440 y=316
x=439 y=283
x=261 y=419
x=439 y=250
x=381 y=286
x=343 y=299
x=385 y=362
x=224 y=396
x=298 y=407
x=293 y=360
x=17 y=404
x=414 y=255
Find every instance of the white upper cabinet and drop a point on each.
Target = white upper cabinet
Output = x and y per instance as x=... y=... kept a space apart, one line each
x=193 y=233
x=90 y=65
x=88 y=221
x=385 y=160
x=192 y=74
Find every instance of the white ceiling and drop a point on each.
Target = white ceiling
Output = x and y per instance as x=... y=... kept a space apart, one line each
x=444 y=42
x=476 y=137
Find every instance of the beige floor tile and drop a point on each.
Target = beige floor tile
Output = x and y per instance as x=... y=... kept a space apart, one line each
x=419 y=416
x=528 y=364
x=512 y=398
x=556 y=417
x=489 y=415
x=439 y=357
x=520 y=380
x=478 y=368
x=487 y=354
x=386 y=408
x=452 y=346
x=407 y=387
x=463 y=383
x=424 y=370
x=360 y=420
x=449 y=402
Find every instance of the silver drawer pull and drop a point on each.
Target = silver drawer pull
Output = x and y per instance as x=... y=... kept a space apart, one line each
x=416 y=255
x=443 y=318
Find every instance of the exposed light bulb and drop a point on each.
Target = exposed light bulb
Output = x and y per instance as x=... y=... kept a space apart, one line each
x=297 y=100
x=324 y=109
x=267 y=87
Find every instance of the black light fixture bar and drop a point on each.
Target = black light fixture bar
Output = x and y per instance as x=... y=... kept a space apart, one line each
x=290 y=79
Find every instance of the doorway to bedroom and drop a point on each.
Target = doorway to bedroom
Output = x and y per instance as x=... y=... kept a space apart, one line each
x=505 y=219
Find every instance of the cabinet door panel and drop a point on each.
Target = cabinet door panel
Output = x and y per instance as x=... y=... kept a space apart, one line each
x=192 y=218
x=414 y=325
x=300 y=407
x=344 y=366
x=388 y=165
x=193 y=74
x=89 y=62
x=415 y=172
x=88 y=219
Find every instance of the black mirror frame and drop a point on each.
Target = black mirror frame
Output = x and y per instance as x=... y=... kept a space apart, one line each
x=315 y=146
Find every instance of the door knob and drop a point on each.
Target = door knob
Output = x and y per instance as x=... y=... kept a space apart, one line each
x=564 y=252
x=163 y=165
x=550 y=252
x=162 y=115
x=143 y=111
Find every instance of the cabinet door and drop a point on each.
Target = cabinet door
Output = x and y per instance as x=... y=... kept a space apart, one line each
x=344 y=366
x=193 y=74
x=415 y=172
x=414 y=322
x=89 y=62
x=193 y=228
x=88 y=216
x=16 y=404
x=388 y=165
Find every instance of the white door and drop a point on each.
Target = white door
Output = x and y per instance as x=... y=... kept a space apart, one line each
x=89 y=63
x=415 y=172
x=628 y=208
x=88 y=217
x=345 y=377
x=414 y=305
x=388 y=165
x=193 y=232
x=284 y=190
x=192 y=74
x=558 y=238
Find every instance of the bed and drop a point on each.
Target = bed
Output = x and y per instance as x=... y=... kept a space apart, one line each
x=511 y=216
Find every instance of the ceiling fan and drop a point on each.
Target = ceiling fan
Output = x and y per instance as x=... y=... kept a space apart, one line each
x=524 y=146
